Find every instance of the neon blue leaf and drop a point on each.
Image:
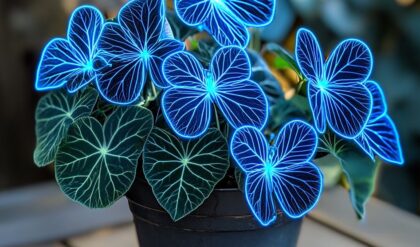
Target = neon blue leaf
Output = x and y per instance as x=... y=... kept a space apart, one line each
x=259 y=195
x=309 y=55
x=317 y=103
x=132 y=50
x=381 y=137
x=284 y=169
x=249 y=149
x=58 y=65
x=254 y=13
x=95 y=164
x=379 y=107
x=187 y=110
x=230 y=64
x=122 y=80
x=226 y=29
x=160 y=50
x=193 y=12
x=296 y=143
x=347 y=107
x=351 y=61
x=53 y=116
x=183 y=174
x=243 y=103
x=183 y=70
x=143 y=21
x=83 y=34
x=297 y=187
x=70 y=61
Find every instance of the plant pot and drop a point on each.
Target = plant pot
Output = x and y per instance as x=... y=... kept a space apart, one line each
x=223 y=220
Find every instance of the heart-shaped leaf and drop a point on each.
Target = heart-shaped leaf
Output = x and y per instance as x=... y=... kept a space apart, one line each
x=359 y=169
x=54 y=114
x=183 y=174
x=95 y=164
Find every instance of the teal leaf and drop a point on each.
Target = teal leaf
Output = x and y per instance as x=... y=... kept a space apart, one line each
x=183 y=174
x=179 y=29
x=54 y=114
x=359 y=169
x=96 y=164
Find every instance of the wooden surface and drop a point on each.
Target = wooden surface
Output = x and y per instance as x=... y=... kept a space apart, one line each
x=41 y=216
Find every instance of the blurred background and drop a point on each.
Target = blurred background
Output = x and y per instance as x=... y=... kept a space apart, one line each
x=389 y=27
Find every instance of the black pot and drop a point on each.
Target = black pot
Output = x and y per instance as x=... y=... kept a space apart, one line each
x=223 y=220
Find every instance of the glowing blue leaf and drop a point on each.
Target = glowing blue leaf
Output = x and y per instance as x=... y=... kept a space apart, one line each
x=70 y=61
x=83 y=34
x=380 y=136
x=193 y=12
x=249 y=149
x=161 y=50
x=54 y=114
x=243 y=103
x=187 y=110
x=123 y=79
x=379 y=107
x=254 y=13
x=95 y=164
x=183 y=70
x=188 y=104
x=284 y=170
x=309 y=55
x=317 y=103
x=230 y=64
x=226 y=20
x=226 y=29
x=296 y=143
x=297 y=187
x=133 y=50
x=336 y=92
x=183 y=174
x=347 y=108
x=143 y=21
x=259 y=195
x=351 y=61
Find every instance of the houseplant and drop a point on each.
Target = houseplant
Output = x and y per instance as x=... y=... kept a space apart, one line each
x=195 y=129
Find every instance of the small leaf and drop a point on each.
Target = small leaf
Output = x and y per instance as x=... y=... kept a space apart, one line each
x=54 y=114
x=96 y=164
x=183 y=174
x=239 y=177
x=359 y=169
x=282 y=58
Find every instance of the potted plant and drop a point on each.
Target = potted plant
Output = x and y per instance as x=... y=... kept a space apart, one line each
x=195 y=130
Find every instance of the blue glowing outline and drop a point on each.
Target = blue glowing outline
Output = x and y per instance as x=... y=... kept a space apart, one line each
x=366 y=143
x=127 y=38
x=211 y=12
x=209 y=100
x=92 y=50
x=260 y=170
x=320 y=112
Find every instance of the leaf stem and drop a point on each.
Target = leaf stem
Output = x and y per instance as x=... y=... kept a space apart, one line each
x=216 y=117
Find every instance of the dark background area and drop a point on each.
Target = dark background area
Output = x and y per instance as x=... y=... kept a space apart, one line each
x=390 y=27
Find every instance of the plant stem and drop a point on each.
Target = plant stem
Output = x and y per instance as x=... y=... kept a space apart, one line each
x=216 y=117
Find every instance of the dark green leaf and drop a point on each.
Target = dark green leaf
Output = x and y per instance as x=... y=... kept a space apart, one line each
x=54 y=113
x=283 y=112
x=359 y=169
x=183 y=174
x=96 y=164
x=239 y=177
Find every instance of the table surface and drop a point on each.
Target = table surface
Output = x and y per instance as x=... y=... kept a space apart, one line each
x=42 y=216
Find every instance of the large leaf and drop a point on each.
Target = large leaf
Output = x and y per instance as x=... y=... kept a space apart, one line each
x=54 y=114
x=183 y=174
x=96 y=164
x=282 y=58
x=359 y=169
